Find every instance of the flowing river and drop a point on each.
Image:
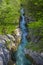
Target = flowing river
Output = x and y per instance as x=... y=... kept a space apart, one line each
x=21 y=59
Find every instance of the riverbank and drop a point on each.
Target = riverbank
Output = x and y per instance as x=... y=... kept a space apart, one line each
x=34 y=57
x=34 y=49
x=34 y=22
x=9 y=43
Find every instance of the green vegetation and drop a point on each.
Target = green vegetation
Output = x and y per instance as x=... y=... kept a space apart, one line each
x=9 y=15
x=9 y=19
x=34 y=9
x=36 y=35
x=7 y=28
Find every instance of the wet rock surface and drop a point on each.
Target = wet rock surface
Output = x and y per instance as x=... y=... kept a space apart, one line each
x=7 y=42
x=4 y=55
x=35 y=56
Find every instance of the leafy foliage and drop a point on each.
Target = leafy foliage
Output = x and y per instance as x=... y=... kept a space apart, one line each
x=9 y=13
x=36 y=35
x=34 y=8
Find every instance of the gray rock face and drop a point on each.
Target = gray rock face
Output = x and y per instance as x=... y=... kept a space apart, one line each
x=41 y=54
x=1 y=61
x=4 y=55
x=36 y=56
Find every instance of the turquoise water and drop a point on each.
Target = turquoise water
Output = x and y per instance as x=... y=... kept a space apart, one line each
x=21 y=59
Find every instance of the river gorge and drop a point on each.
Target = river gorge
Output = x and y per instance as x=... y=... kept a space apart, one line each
x=21 y=59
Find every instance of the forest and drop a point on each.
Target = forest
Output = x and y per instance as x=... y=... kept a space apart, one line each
x=13 y=23
x=9 y=15
x=34 y=9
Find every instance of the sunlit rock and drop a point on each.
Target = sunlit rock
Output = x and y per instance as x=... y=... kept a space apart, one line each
x=11 y=37
x=42 y=54
x=18 y=36
x=18 y=32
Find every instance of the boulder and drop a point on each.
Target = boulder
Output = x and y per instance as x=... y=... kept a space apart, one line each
x=42 y=54
x=4 y=55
